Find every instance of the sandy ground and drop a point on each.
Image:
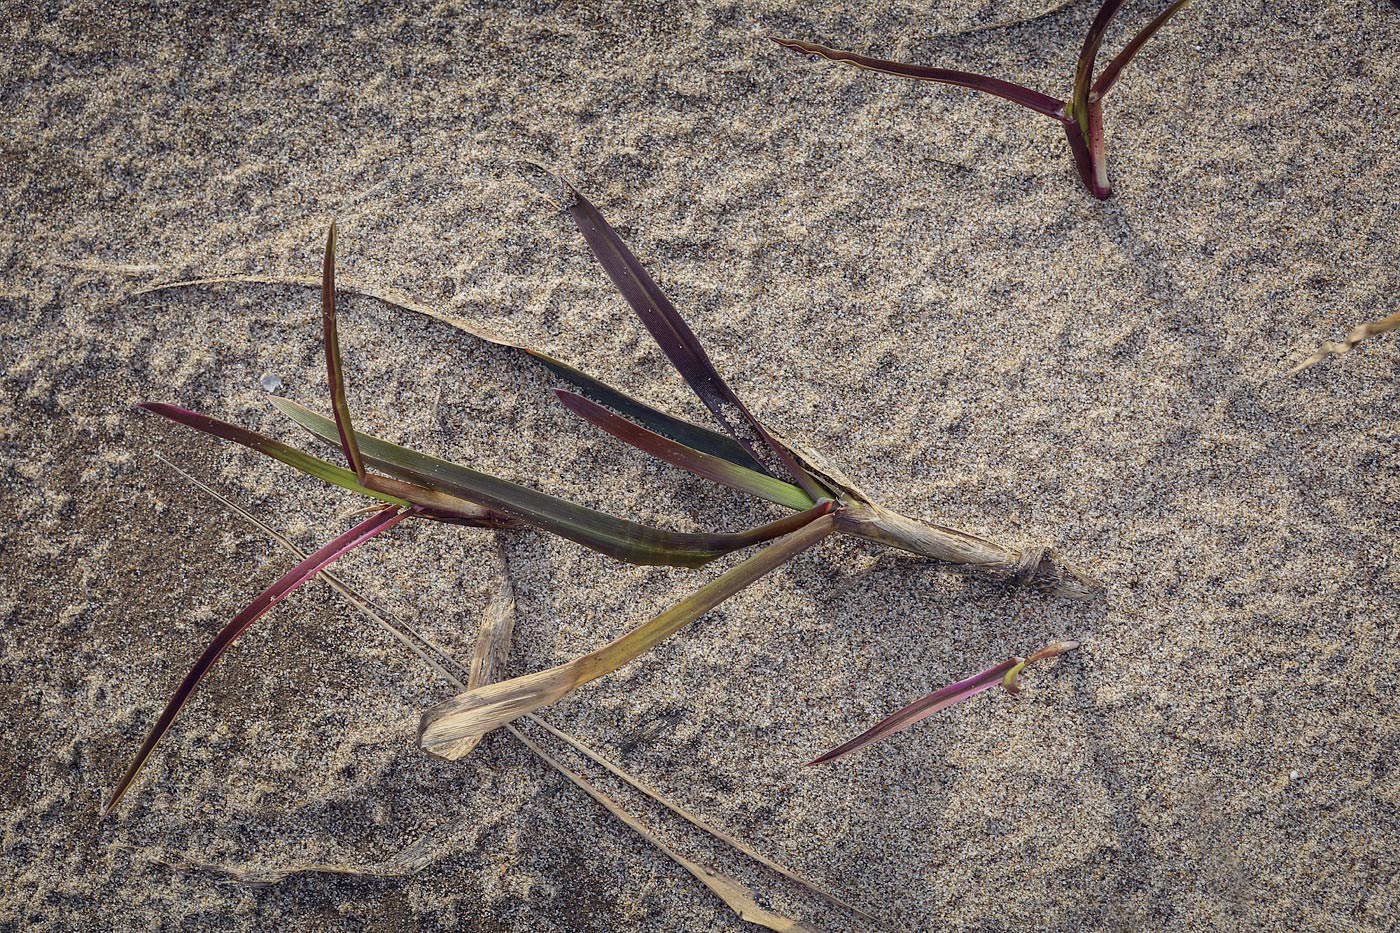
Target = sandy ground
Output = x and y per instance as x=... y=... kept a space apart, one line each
x=905 y=277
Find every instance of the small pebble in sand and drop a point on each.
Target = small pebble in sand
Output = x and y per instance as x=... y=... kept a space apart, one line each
x=1293 y=775
x=270 y=383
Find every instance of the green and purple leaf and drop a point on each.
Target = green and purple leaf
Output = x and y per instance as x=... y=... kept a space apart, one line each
x=683 y=432
x=702 y=464
x=1026 y=97
x=1007 y=673
x=1088 y=54
x=678 y=341
x=290 y=581
x=616 y=537
x=443 y=508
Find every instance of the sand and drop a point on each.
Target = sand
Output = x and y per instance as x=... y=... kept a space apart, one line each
x=907 y=278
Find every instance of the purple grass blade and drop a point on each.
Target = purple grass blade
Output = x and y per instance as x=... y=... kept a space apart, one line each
x=683 y=432
x=1104 y=83
x=921 y=709
x=1007 y=673
x=444 y=508
x=308 y=568
x=335 y=369
x=678 y=341
x=1084 y=72
x=714 y=469
x=1026 y=97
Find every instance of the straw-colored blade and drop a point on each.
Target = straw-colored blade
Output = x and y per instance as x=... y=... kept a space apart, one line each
x=1359 y=333
x=477 y=712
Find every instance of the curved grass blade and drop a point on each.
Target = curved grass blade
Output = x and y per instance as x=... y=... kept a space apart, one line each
x=443 y=508
x=1007 y=673
x=1026 y=97
x=682 y=432
x=677 y=340
x=305 y=570
x=711 y=468
x=477 y=712
x=335 y=369
x=1105 y=81
x=1088 y=54
x=616 y=537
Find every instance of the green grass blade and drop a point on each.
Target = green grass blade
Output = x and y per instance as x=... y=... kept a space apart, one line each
x=682 y=432
x=616 y=537
x=711 y=468
x=675 y=338
x=477 y=712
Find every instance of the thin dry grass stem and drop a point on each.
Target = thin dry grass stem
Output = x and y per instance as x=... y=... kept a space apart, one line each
x=493 y=643
x=734 y=894
x=1354 y=336
x=409 y=861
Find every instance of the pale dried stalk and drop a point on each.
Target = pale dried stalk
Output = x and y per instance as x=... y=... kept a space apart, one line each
x=1038 y=567
x=1359 y=333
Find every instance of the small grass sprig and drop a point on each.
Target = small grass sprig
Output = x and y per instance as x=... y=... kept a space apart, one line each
x=466 y=717
x=1007 y=674
x=1081 y=115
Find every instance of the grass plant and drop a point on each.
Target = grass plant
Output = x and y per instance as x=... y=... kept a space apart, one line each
x=750 y=457
x=1081 y=115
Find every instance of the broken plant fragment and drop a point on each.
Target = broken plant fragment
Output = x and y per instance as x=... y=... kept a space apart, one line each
x=1007 y=674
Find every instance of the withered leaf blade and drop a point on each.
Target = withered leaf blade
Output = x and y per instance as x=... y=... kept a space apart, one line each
x=379 y=522
x=477 y=712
